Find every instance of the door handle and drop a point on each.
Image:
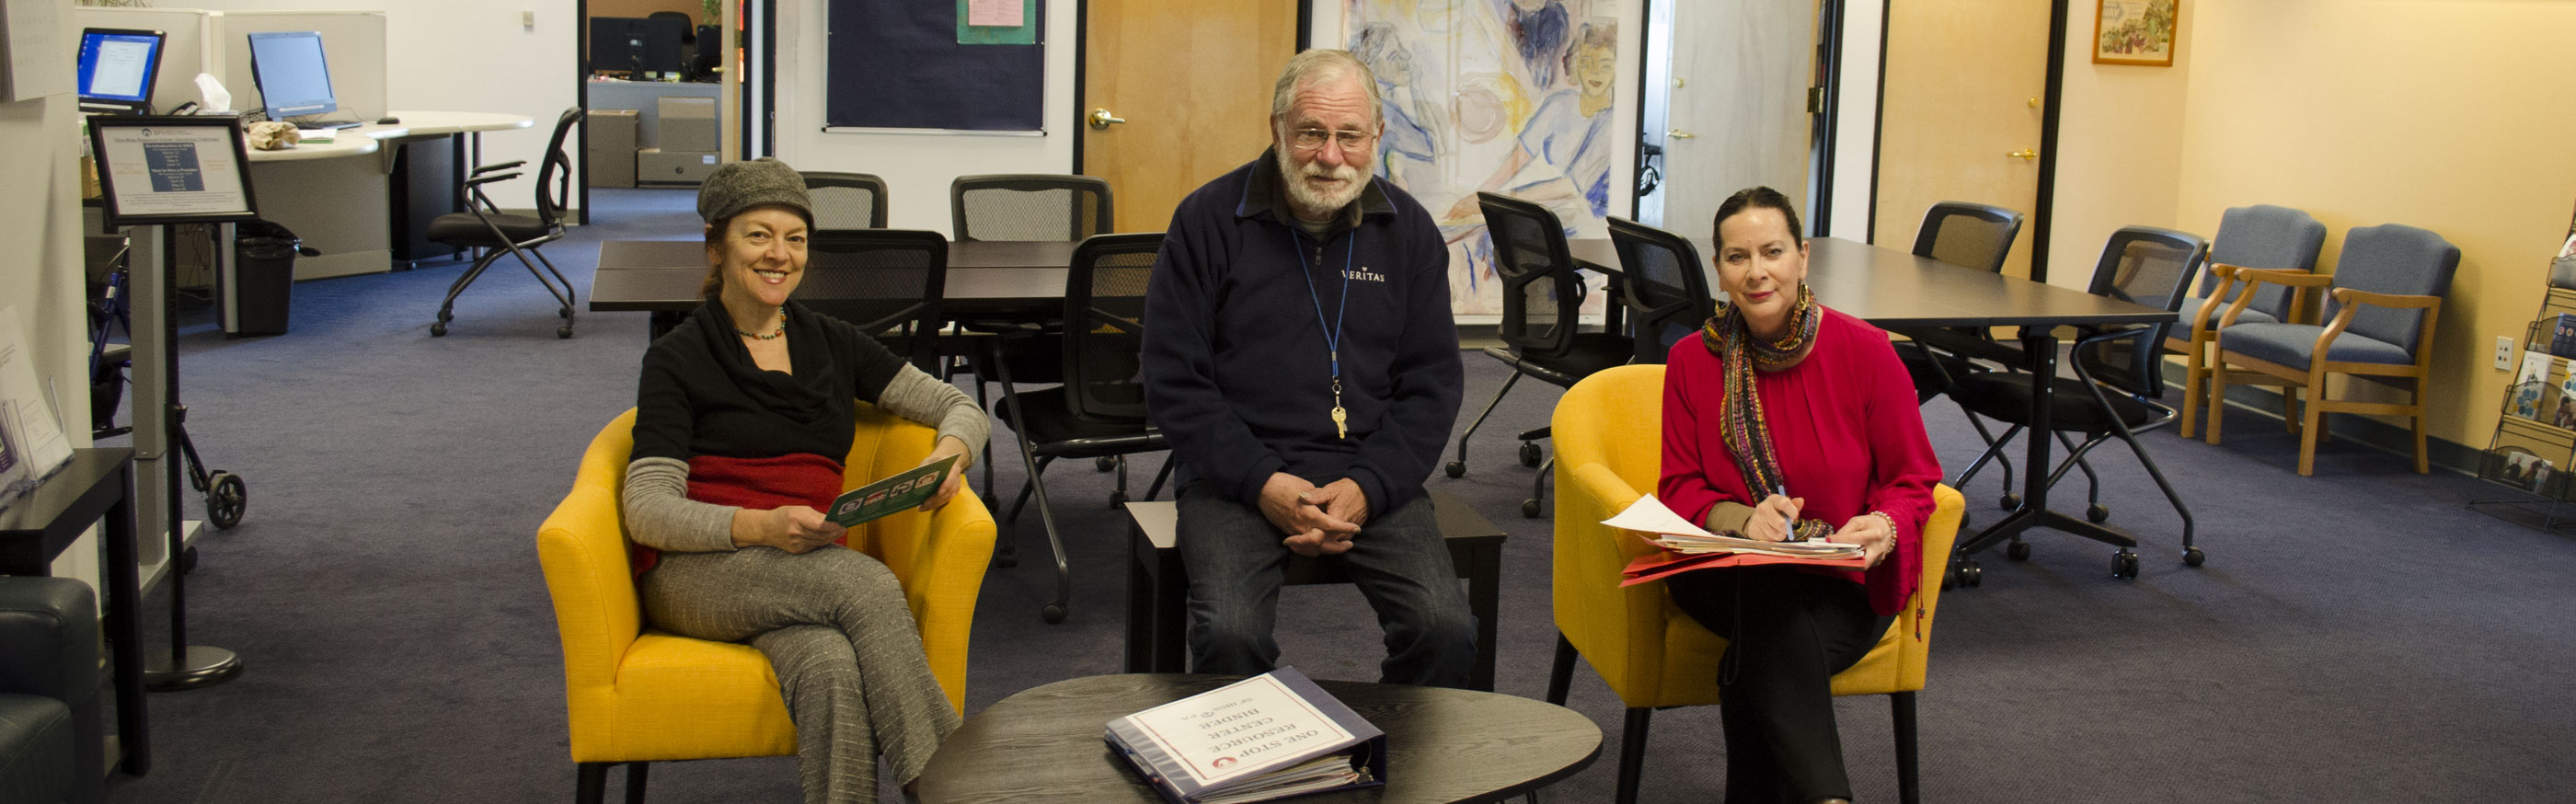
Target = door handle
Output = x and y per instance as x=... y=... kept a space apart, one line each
x=2025 y=154
x=1679 y=134
x=1101 y=119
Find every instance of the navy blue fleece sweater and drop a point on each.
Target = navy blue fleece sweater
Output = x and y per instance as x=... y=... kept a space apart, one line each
x=1237 y=374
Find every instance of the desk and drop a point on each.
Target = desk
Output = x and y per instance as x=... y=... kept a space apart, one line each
x=1443 y=745
x=1890 y=288
x=337 y=203
x=36 y=528
x=986 y=278
x=1158 y=587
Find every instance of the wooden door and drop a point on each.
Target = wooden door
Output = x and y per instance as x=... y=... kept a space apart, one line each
x=1965 y=80
x=1192 y=81
x=1738 y=106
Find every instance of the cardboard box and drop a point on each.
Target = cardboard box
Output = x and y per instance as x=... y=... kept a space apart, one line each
x=659 y=166
x=687 y=124
x=612 y=147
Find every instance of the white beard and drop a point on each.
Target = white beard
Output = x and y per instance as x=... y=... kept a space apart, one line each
x=1308 y=197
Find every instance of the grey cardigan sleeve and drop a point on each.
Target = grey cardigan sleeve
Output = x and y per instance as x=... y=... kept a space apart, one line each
x=914 y=394
x=660 y=515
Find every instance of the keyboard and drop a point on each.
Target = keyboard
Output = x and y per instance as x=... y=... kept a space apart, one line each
x=326 y=125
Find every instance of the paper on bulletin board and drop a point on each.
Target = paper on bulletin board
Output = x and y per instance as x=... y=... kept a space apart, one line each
x=997 y=22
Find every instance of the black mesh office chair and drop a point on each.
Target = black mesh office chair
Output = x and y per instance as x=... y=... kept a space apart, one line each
x=1542 y=300
x=1099 y=411
x=886 y=282
x=846 y=200
x=1024 y=206
x=1968 y=235
x=2119 y=378
x=482 y=225
x=1666 y=287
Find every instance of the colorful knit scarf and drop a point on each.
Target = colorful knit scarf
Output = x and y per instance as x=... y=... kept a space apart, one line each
x=1740 y=421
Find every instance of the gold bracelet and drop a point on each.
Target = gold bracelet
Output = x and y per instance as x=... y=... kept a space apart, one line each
x=1891 y=522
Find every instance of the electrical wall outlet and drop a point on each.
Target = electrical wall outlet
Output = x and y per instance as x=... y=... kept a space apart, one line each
x=2504 y=353
x=527 y=19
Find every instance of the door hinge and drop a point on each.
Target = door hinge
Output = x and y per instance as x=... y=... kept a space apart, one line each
x=1815 y=100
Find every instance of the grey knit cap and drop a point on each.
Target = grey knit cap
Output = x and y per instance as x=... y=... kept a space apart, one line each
x=737 y=186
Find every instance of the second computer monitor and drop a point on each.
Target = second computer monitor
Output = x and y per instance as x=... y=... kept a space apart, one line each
x=294 y=79
x=117 y=68
x=638 y=46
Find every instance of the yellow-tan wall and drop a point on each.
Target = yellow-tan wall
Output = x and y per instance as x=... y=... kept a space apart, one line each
x=2117 y=149
x=2451 y=115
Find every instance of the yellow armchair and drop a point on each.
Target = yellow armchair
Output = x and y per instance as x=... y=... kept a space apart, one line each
x=638 y=694
x=1609 y=452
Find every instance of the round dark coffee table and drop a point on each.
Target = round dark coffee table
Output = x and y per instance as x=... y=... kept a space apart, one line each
x=1443 y=745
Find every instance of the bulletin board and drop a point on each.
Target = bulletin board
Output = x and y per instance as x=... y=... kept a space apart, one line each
x=904 y=66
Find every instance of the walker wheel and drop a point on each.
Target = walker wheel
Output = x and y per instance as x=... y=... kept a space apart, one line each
x=1457 y=469
x=1530 y=454
x=2018 y=551
x=2096 y=514
x=2193 y=557
x=226 y=496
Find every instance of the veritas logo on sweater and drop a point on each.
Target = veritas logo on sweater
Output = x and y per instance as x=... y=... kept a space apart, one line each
x=1364 y=275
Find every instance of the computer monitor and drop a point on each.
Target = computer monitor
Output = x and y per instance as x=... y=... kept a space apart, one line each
x=294 y=79
x=117 y=67
x=637 y=46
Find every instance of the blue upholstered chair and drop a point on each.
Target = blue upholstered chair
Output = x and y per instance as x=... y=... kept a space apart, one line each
x=2259 y=236
x=2386 y=295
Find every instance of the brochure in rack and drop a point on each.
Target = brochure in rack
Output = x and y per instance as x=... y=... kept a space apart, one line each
x=901 y=491
x=32 y=445
x=1269 y=736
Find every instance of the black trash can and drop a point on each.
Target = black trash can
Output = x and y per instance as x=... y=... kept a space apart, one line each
x=263 y=279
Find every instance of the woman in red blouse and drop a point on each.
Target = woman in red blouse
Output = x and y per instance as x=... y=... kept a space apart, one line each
x=1788 y=420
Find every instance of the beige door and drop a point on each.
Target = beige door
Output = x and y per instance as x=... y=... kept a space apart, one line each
x=1962 y=98
x=1738 y=114
x=1192 y=81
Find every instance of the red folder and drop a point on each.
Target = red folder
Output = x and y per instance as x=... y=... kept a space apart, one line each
x=1656 y=566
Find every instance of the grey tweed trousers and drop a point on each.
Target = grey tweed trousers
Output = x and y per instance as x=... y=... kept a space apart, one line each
x=849 y=658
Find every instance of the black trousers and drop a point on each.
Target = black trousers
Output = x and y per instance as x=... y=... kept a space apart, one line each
x=1788 y=632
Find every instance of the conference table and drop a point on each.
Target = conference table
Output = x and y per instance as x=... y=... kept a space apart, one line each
x=1891 y=288
x=986 y=279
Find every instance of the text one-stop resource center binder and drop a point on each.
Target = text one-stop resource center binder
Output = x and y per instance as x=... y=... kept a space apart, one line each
x=1269 y=736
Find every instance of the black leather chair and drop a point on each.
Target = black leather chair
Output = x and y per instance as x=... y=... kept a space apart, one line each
x=846 y=200
x=1099 y=411
x=2118 y=382
x=1665 y=287
x=52 y=727
x=887 y=282
x=482 y=225
x=1542 y=302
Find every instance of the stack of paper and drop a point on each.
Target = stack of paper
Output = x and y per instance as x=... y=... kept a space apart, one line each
x=1659 y=524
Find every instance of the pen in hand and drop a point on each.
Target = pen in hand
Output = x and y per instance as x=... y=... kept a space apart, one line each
x=1788 y=523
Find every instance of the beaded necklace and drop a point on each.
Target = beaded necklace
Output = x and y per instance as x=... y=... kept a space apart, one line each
x=781 y=332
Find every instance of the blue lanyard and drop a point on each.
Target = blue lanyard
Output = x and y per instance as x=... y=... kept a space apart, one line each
x=1333 y=339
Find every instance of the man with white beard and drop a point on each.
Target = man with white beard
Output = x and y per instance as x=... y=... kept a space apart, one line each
x=1300 y=357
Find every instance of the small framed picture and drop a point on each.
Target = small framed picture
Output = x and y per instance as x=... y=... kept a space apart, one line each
x=2135 y=32
x=160 y=169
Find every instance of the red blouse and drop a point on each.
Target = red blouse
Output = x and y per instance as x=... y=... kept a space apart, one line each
x=1848 y=431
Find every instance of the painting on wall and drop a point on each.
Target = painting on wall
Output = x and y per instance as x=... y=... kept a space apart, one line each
x=1507 y=96
x=2134 y=32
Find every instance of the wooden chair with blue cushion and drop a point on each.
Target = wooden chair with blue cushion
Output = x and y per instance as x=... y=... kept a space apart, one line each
x=637 y=694
x=2385 y=297
x=2259 y=236
x=1609 y=444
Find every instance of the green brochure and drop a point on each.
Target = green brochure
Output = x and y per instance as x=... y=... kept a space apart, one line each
x=903 y=491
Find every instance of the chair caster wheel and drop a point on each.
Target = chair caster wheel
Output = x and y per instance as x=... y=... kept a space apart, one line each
x=1456 y=469
x=2010 y=501
x=1529 y=508
x=1006 y=556
x=1971 y=575
x=2193 y=557
x=1530 y=454
x=2018 y=551
x=1054 y=613
x=2096 y=514
x=1103 y=464
x=226 y=496
x=438 y=330
x=2124 y=565
x=1118 y=499
x=564 y=331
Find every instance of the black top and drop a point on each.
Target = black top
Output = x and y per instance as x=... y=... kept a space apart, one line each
x=702 y=395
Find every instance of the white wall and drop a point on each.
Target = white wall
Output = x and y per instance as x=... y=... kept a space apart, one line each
x=2119 y=157
x=468 y=56
x=1855 y=149
x=917 y=168
x=40 y=216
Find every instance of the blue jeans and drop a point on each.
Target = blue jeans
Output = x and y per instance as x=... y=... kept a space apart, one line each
x=1399 y=562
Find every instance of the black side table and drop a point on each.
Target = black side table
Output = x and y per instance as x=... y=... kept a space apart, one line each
x=36 y=528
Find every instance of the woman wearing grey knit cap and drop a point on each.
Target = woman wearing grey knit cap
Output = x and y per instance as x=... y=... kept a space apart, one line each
x=741 y=418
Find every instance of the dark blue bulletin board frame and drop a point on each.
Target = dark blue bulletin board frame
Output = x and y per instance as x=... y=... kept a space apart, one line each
x=899 y=65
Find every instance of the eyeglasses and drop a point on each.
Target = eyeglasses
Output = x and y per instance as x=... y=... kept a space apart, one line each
x=1352 y=142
